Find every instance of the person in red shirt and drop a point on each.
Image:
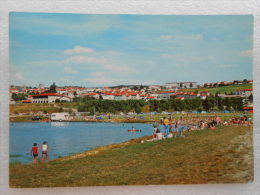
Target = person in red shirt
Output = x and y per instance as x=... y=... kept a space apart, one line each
x=35 y=152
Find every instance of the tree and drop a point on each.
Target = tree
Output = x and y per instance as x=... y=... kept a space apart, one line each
x=250 y=97
x=191 y=85
x=17 y=97
x=146 y=109
x=245 y=81
x=181 y=85
x=53 y=88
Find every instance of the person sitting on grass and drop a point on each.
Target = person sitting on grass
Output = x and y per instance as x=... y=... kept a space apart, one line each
x=211 y=126
x=157 y=136
x=35 y=152
x=45 y=156
x=155 y=130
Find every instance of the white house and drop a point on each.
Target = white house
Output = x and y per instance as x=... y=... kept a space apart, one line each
x=163 y=95
x=49 y=98
x=108 y=96
x=120 y=97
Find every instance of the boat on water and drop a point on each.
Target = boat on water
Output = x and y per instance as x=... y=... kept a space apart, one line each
x=134 y=130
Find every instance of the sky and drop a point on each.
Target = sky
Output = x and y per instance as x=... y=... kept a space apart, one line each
x=106 y=50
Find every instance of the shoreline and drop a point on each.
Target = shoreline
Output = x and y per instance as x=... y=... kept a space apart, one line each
x=91 y=152
x=224 y=155
x=88 y=121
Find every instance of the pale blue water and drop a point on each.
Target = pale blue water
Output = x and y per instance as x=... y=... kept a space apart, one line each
x=66 y=138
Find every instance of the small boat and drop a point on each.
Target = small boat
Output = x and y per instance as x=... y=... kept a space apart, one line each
x=134 y=130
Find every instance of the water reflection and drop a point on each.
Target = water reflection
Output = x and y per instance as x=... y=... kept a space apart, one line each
x=59 y=124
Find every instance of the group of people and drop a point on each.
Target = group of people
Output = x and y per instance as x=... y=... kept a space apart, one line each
x=171 y=128
x=36 y=150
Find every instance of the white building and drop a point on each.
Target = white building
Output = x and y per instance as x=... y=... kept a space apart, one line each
x=41 y=86
x=62 y=116
x=49 y=98
x=173 y=85
x=164 y=95
x=108 y=96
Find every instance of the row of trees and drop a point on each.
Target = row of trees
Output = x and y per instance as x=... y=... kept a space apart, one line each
x=209 y=104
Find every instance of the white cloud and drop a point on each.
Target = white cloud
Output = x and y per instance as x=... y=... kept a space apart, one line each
x=192 y=37
x=85 y=59
x=225 y=65
x=211 y=58
x=99 y=78
x=122 y=69
x=18 y=76
x=166 y=37
x=195 y=58
x=246 y=53
x=79 y=49
x=103 y=79
x=197 y=37
x=166 y=55
x=69 y=70
x=98 y=74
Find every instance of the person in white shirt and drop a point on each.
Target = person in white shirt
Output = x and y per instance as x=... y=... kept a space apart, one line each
x=45 y=155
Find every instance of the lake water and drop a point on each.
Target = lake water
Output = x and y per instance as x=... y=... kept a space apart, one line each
x=66 y=138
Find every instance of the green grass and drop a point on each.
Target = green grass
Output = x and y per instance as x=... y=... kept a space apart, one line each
x=208 y=156
x=27 y=108
x=228 y=89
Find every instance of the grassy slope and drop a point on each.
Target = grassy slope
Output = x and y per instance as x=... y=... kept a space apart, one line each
x=208 y=156
x=26 y=108
x=228 y=89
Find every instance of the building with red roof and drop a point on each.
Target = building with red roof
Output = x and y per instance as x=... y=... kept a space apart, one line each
x=27 y=101
x=49 y=98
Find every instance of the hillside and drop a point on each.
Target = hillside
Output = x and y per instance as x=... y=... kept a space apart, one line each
x=209 y=156
x=228 y=89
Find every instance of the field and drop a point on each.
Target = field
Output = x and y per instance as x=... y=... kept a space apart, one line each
x=47 y=108
x=224 y=155
x=228 y=89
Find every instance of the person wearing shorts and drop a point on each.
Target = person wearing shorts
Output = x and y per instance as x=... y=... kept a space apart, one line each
x=35 y=152
x=45 y=155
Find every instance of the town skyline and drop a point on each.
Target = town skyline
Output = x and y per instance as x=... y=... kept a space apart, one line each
x=110 y=50
x=43 y=85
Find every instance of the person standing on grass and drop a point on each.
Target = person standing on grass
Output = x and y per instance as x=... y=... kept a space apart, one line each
x=45 y=156
x=170 y=124
x=177 y=126
x=35 y=152
x=166 y=125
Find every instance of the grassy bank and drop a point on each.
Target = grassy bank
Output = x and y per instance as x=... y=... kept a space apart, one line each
x=208 y=156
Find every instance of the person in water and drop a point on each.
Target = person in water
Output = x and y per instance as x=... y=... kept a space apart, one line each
x=45 y=156
x=35 y=152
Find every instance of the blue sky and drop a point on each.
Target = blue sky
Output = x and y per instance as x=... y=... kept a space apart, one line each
x=106 y=50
